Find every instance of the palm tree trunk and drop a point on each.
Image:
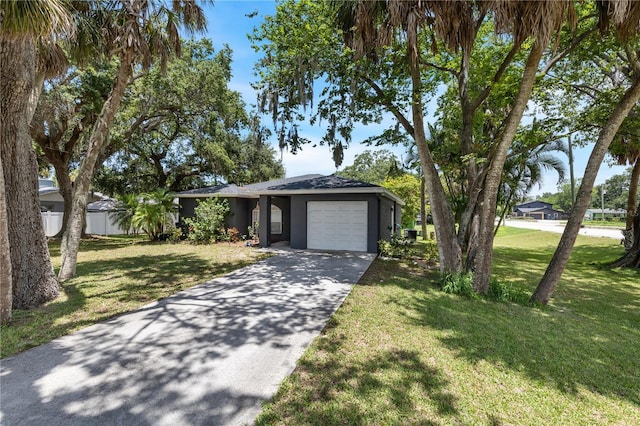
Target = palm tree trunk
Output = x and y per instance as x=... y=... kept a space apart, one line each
x=554 y=271
x=33 y=279
x=489 y=196
x=97 y=142
x=6 y=297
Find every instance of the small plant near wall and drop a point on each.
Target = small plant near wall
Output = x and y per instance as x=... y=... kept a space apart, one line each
x=398 y=247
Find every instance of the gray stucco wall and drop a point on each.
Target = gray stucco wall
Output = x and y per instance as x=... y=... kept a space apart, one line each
x=299 y=217
x=389 y=209
x=187 y=205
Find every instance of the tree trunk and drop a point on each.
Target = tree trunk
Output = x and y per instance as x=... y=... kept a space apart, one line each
x=549 y=281
x=631 y=259
x=33 y=279
x=423 y=208
x=444 y=223
x=97 y=142
x=482 y=272
x=6 y=297
x=632 y=199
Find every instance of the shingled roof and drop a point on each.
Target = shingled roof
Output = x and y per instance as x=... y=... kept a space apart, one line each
x=311 y=183
x=322 y=182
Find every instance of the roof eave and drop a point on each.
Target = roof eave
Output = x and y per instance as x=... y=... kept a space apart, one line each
x=211 y=195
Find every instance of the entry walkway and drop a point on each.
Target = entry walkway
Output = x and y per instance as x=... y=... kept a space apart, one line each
x=209 y=355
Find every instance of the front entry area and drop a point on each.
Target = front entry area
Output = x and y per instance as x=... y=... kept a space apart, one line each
x=337 y=225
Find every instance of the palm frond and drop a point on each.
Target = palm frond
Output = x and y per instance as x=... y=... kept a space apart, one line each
x=36 y=18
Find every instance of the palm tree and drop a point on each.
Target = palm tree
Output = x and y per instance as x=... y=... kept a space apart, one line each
x=523 y=171
x=134 y=36
x=154 y=213
x=125 y=210
x=24 y=25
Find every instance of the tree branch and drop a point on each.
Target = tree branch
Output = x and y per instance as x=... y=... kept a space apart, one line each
x=453 y=72
x=574 y=43
x=496 y=77
x=390 y=106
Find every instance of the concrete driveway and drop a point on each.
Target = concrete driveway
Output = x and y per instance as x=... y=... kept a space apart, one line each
x=209 y=355
x=558 y=227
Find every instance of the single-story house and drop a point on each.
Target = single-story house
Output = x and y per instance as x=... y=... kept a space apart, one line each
x=597 y=214
x=538 y=210
x=308 y=212
x=51 y=200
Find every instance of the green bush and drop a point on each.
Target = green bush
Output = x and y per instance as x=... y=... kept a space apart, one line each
x=507 y=292
x=457 y=284
x=207 y=225
x=398 y=247
x=430 y=250
x=462 y=284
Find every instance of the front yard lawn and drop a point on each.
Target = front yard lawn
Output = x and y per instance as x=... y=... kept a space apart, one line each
x=117 y=275
x=399 y=351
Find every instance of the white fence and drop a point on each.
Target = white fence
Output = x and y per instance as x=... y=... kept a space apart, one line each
x=98 y=223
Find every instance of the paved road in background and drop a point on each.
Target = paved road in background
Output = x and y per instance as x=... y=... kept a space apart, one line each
x=558 y=226
x=209 y=355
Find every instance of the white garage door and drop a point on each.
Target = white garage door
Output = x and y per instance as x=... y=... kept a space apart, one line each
x=337 y=225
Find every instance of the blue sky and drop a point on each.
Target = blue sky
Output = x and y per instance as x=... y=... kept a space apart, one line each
x=228 y=23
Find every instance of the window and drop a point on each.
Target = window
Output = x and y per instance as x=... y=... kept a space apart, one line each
x=276 y=219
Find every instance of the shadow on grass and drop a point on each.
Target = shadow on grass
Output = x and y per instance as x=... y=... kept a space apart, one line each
x=588 y=286
x=381 y=388
x=588 y=340
x=148 y=275
x=99 y=243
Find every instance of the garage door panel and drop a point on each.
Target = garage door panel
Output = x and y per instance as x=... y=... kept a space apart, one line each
x=337 y=225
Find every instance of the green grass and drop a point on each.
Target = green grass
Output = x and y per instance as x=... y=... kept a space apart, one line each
x=399 y=351
x=604 y=224
x=116 y=275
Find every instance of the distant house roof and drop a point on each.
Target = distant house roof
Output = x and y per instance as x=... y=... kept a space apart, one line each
x=229 y=190
x=531 y=209
x=606 y=211
x=43 y=190
x=537 y=204
x=105 y=205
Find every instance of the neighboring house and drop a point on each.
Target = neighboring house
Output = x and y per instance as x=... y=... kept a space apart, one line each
x=98 y=219
x=51 y=200
x=538 y=210
x=50 y=197
x=308 y=212
x=596 y=214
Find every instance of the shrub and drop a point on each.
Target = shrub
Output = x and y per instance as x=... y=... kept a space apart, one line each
x=462 y=284
x=430 y=250
x=231 y=235
x=398 y=247
x=207 y=225
x=507 y=292
x=457 y=284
